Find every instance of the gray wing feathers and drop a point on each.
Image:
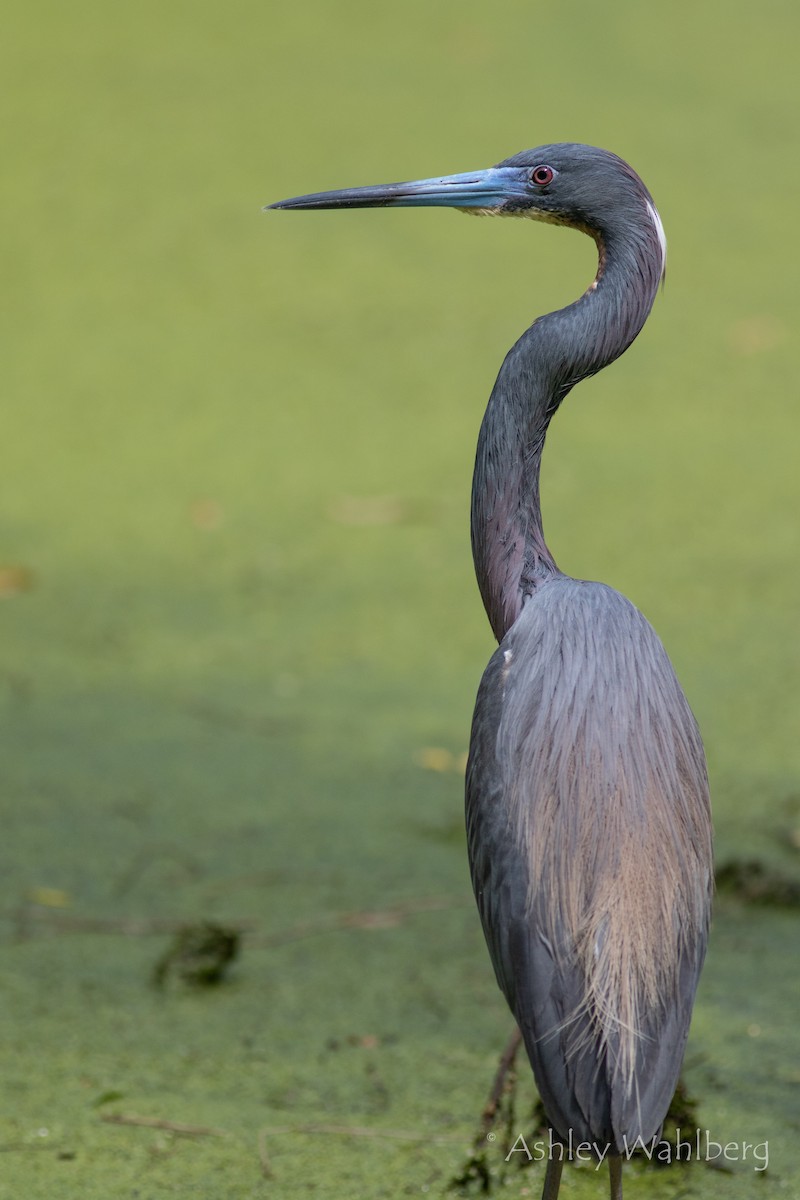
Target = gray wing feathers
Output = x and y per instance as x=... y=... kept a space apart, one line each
x=590 y=848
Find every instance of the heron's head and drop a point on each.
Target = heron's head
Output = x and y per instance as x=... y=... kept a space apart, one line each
x=566 y=183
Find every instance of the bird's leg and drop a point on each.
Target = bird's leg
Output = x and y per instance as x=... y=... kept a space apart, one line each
x=552 y=1180
x=498 y=1086
x=615 y=1175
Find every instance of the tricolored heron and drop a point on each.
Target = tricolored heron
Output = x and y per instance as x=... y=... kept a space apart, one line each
x=587 y=804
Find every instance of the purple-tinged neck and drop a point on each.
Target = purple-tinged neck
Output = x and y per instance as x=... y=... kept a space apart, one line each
x=559 y=350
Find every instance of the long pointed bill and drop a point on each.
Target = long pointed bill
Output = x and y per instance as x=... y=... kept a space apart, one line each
x=486 y=190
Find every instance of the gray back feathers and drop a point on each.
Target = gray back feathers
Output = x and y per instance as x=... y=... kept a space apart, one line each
x=589 y=830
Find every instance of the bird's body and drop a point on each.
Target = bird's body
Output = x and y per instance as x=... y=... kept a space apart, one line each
x=582 y=787
x=587 y=801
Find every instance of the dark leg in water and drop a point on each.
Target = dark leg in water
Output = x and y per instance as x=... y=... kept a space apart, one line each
x=552 y=1179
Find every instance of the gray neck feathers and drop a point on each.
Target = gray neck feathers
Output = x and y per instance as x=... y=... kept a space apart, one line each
x=556 y=352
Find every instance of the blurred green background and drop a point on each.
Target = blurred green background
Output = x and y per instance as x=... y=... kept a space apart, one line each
x=240 y=634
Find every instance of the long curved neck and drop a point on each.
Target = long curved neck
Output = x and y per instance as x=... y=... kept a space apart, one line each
x=510 y=554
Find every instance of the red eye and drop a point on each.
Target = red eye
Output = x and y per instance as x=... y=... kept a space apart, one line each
x=542 y=175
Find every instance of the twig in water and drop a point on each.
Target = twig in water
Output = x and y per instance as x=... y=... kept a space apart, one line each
x=384 y=918
x=402 y=1135
x=178 y=1127
x=503 y=1078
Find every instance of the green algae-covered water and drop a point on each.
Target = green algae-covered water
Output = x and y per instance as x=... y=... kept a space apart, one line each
x=240 y=635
